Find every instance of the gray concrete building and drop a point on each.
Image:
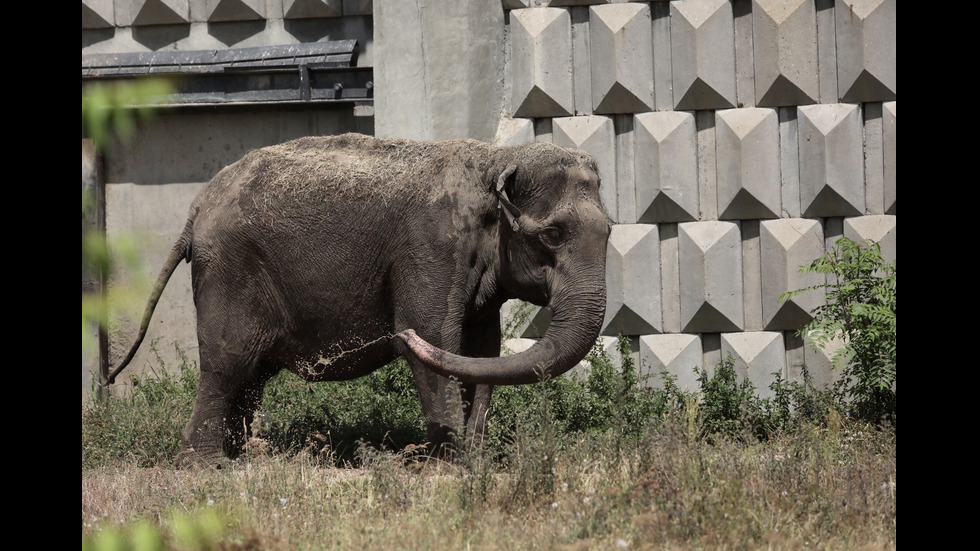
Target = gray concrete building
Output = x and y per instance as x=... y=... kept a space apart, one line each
x=736 y=139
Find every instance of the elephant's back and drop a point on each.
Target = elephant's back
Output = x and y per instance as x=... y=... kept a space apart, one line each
x=349 y=167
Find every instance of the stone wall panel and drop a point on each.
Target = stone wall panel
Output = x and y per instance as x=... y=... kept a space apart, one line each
x=831 y=160
x=785 y=52
x=621 y=43
x=758 y=356
x=702 y=36
x=747 y=163
x=541 y=59
x=665 y=167
x=710 y=264
x=787 y=244
x=633 y=281
x=866 y=50
x=677 y=354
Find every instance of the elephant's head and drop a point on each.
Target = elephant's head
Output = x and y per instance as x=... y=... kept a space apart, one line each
x=552 y=234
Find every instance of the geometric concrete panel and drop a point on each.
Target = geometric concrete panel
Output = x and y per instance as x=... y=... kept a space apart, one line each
x=97 y=14
x=702 y=38
x=234 y=10
x=152 y=12
x=831 y=160
x=758 y=355
x=633 y=281
x=881 y=229
x=786 y=245
x=523 y=319
x=303 y=9
x=665 y=167
x=541 y=62
x=785 y=52
x=890 y=141
x=621 y=44
x=511 y=132
x=710 y=266
x=866 y=50
x=358 y=7
x=747 y=161
x=677 y=354
x=819 y=363
x=595 y=134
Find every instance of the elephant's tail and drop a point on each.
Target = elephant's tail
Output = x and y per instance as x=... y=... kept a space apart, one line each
x=180 y=251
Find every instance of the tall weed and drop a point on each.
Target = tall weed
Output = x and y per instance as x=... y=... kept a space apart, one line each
x=860 y=315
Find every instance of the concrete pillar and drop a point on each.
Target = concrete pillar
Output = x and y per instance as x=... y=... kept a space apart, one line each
x=438 y=69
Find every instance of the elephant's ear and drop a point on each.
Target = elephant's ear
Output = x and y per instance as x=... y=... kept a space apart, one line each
x=504 y=189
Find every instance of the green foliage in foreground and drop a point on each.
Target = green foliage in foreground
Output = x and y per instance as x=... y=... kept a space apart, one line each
x=860 y=316
x=198 y=531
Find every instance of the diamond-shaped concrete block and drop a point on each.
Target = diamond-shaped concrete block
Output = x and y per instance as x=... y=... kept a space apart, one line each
x=511 y=132
x=541 y=62
x=831 y=160
x=677 y=354
x=866 y=50
x=621 y=43
x=234 y=10
x=890 y=140
x=747 y=163
x=786 y=244
x=758 y=356
x=138 y=13
x=785 y=52
x=819 y=364
x=709 y=256
x=665 y=167
x=880 y=228
x=358 y=7
x=633 y=281
x=702 y=38
x=596 y=135
x=524 y=320
x=97 y=14
x=303 y=9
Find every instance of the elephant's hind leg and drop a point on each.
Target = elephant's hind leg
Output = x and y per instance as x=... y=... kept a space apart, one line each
x=233 y=377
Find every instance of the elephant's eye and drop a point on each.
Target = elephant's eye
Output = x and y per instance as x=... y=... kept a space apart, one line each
x=551 y=237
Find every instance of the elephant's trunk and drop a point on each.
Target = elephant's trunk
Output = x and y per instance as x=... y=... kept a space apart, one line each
x=577 y=319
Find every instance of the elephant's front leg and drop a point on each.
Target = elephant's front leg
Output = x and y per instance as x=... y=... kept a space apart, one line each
x=442 y=407
x=457 y=413
x=480 y=339
x=476 y=407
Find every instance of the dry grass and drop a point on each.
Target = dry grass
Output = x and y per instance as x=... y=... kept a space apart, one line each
x=826 y=487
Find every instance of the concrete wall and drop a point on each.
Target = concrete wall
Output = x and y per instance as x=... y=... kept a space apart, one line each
x=735 y=139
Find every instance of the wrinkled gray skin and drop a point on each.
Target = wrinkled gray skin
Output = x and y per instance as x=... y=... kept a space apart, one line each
x=330 y=256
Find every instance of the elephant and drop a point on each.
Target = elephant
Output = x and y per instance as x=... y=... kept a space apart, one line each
x=330 y=256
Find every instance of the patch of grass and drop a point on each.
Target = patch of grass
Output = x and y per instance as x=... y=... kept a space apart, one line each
x=826 y=484
x=592 y=463
x=143 y=426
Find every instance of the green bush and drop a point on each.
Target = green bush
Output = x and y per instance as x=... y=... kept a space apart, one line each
x=144 y=425
x=860 y=315
x=381 y=409
x=337 y=421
